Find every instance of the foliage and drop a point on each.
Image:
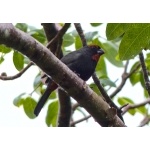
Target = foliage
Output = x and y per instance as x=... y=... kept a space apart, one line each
x=124 y=41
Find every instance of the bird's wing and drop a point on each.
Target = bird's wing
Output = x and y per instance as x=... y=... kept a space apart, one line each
x=71 y=57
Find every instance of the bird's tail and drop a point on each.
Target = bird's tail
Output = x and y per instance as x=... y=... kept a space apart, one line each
x=50 y=88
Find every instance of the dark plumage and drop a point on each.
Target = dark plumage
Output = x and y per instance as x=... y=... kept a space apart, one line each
x=83 y=62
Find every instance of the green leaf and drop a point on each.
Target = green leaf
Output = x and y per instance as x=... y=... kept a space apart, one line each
x=90 y=35
x=4 y=49
x=94 y=87
x=124 y=100
x=134 y=41
x=78 y=42
x=1 y=59
x=38 y=34
x=107 y=82
x=29 y=106
x=111 y=53
x=115 y=30
x=18 y=60
x=52 y=113
x=146 y=94
x=37 y=84
x=68 y=40
x=135 y=78
x=101 y=68
x=142 y=110
x=147 y=61
x=95 y=24
x=22 y=26
x=18 y=101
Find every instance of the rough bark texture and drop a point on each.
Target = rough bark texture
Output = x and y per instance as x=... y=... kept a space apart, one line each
x=61 y=74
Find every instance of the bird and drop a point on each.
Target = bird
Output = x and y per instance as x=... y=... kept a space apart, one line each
x=82 y=62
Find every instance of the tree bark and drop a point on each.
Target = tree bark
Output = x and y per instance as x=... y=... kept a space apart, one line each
x=61 y=74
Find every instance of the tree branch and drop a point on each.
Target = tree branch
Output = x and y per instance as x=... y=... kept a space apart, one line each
x=52 y=66
x=125 y=76
x=55 y=46
x=80 y=120
x=80 y=32
x=17 y=75
x=145 y=73
x=94 y=76
x=145 y=121
x=133 y=106
x=106 y=97
x=64 y=110
x=59 y=35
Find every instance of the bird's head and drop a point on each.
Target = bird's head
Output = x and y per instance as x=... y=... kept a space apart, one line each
x=96 y=52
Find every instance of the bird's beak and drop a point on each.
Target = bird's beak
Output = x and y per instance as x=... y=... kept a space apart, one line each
x=101 y=52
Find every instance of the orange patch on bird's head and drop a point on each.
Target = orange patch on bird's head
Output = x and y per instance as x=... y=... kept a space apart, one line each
x=94 y=46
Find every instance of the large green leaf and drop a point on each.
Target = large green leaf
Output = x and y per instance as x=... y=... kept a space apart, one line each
x=52 y=114
x=115 y=30
x=4 y=49
x=134 y=41
x=18 y=60
x=111 y=53
x=29 y=106
x=68 y=40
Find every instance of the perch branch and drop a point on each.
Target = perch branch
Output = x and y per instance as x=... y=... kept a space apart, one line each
x=145 y=73
x=17 y=75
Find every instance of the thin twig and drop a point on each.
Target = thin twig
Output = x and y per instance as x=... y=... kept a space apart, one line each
x=145 y=73
x=95 y=78
x=145 y=121
x=80 y=32
x=133 y=106
x=80 y=120
x=59 y=35
x=125 y=76
x=105 y=95
x=17 y=75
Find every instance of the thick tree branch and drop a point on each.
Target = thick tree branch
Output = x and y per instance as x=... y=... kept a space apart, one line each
x=64 y=110
x=52 y=66
x=17 y=75
x=145 y=73
x=125 y=76
x=55 y=47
